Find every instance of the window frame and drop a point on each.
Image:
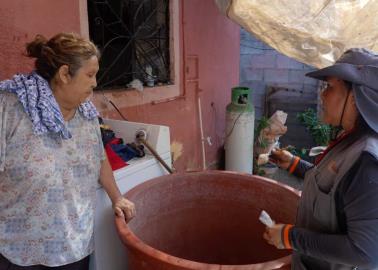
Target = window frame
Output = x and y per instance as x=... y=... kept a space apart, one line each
x=149 y=94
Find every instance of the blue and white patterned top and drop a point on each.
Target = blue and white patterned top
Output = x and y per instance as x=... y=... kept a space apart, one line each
x=47 y=188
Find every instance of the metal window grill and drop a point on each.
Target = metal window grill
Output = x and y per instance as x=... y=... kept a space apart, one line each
x=133 y=36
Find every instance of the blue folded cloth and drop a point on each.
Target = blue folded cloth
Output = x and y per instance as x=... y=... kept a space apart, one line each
x=39 y=103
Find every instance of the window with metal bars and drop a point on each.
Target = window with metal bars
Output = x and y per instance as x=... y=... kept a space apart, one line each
x=133 y=37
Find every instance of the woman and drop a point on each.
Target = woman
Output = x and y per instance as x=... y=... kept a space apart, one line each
x=51 y=158
x=337 y=220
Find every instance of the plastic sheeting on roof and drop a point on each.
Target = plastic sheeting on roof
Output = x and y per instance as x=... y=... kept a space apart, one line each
x=315 y=32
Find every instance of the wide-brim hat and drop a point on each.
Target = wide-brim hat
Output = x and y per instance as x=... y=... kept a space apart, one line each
x=360 y=67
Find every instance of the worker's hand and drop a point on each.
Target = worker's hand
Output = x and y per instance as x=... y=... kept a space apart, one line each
x=281 y=157
x=274 y=235
x=124 y=208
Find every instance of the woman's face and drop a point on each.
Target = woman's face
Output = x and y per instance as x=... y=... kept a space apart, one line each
x=333 y=97
x=79 y=87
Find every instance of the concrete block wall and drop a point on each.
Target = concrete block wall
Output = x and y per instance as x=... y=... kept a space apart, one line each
x=261 y=67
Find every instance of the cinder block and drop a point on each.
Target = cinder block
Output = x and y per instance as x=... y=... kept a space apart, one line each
x=259 y=112
x=286 y=62
x=260 y=44
x=310 y=88
x=251 y=74
x=246 y=35
x=263 y=61
x=258 y=100
x=309 y=68
x=295 y=86
x=276 y=75
x=296 y=76
x=311 y=81
x=246 y=48
x=271 y=51
x=247 y=44
x=245 y=61
x=257 y=87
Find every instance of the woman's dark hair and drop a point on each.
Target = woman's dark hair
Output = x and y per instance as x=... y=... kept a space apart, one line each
x=348 y=84
x=62 y=49
x=362 y=126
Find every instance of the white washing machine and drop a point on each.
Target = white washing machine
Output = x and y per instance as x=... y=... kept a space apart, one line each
x=109 y=252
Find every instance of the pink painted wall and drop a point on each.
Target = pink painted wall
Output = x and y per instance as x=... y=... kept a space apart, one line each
x=21 y=20
x=216 y=41
x=210 y=54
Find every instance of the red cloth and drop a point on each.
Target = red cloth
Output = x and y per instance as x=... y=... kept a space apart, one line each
x=115 y=161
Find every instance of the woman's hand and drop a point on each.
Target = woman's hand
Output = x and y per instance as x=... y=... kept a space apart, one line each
x=282 y=158
x=124 y=208
x=278 y=236
x=273 y=236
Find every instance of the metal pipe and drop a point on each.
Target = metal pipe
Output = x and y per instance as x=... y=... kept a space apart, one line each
x=202 y=136
x=140 y=139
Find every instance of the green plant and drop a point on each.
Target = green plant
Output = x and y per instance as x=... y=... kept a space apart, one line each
x=261 y=124
x=321 y=133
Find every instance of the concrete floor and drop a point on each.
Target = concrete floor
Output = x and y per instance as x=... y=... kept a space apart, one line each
x=284 y=177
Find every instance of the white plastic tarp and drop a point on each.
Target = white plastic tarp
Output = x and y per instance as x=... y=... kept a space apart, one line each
x=315 y=32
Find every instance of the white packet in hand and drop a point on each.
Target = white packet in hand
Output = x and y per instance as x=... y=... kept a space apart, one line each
x=266 y=219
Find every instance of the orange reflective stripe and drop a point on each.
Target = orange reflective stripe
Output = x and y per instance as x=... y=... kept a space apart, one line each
x=294 y=165
x=286 y=238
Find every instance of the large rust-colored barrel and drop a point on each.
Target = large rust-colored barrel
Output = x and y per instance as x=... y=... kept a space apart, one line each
x=206 y=220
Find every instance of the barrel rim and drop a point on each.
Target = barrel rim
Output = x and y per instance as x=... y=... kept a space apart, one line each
x=130 y=240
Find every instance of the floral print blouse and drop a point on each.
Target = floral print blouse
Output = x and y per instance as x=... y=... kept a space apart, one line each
x=47 y=188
